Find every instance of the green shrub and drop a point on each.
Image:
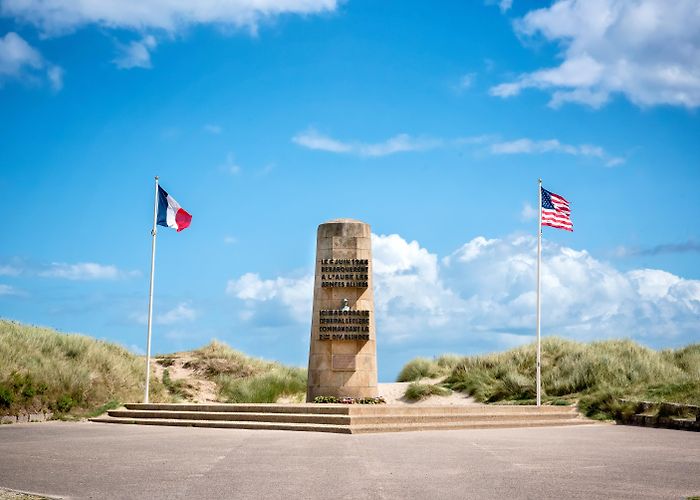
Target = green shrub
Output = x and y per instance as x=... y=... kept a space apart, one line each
x=64 y=404
x=419 y=368
x=6 y=397
x=417 y=391
x=178 y=388
x=266 y=387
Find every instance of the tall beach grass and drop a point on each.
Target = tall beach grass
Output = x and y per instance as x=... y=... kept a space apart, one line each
x=243 y=379
x=595 y=374
x=41 y=369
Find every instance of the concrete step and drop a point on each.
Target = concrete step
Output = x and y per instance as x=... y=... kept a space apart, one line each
x=473 y=424
x=358 y=410
x=342 y=418
x=342 y=429
x=344 y=409
x=310 y=418
x=321 y=409
x=457 y=417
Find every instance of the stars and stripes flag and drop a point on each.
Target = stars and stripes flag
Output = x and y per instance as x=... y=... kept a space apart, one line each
x=556 y=211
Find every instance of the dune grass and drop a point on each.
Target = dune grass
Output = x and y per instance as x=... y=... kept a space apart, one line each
x=41 y=369
x=244 y=379
x=421 y=368
x=417 y=391
x=75 y=376
x=593 y=374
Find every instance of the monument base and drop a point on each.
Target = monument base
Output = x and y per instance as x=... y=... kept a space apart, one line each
x=344 y=419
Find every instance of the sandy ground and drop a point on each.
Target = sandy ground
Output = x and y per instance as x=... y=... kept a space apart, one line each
x=393 y=394
x=200 y=389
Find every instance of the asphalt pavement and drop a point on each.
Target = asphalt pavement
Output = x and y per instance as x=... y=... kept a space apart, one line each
x=91 y=460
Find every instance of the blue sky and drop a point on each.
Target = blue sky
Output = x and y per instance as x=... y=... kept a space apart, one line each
x=431 y=122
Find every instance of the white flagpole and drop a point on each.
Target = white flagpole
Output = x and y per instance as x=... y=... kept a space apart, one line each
x=539 y=260
x=150 y=292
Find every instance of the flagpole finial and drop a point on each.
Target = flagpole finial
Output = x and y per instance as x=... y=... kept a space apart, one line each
x=157 y=178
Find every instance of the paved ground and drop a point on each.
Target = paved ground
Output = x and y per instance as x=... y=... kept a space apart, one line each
x=90 y=460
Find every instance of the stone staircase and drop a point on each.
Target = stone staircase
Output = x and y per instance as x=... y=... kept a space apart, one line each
x=345 y=419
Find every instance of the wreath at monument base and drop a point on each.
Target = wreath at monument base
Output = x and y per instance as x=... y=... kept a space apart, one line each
x=350 y=401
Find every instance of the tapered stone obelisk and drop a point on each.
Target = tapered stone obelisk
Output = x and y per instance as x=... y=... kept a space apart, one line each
x=343 y=352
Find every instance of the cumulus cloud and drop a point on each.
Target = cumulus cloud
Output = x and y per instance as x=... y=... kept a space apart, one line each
x=292 y=294
x=60 y=16
x=486 y=289
x=646 y=50
x=85 y=271
x=20 y=61
x=312 y=139
x=136 y=54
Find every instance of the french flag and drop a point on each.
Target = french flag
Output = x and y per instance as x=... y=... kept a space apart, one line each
x=170 y=214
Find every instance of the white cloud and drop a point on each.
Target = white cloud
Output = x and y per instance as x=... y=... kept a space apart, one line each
x=85 y=271
x=136 y=349
x=529 y=146
x=59 y=16
x=230 y=166
x=465 y=82
x=486 y=290
x=55 y=75
x=528 y=212
x=213 y=129
x=9 y=290
x=9 y=270
x=293 y=294
x=182 y=312
x=503 y=5
x=136 y=54
x=20 y=61
x=646 y=50
x=312 y=139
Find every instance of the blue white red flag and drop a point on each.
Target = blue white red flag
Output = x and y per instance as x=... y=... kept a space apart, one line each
x=556 y=211
x=170 y=214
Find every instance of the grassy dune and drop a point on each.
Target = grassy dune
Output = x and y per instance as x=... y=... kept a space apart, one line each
x=242 y=379
x=41 y=369
x=78 y=376
x=593 y=374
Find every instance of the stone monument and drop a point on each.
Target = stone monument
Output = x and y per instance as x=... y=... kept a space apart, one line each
x=343 y=351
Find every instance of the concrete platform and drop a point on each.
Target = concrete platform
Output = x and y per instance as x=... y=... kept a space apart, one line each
x=344 y=419
x=88 y=461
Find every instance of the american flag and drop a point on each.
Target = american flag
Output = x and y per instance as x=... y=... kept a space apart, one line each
x=556 y=211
